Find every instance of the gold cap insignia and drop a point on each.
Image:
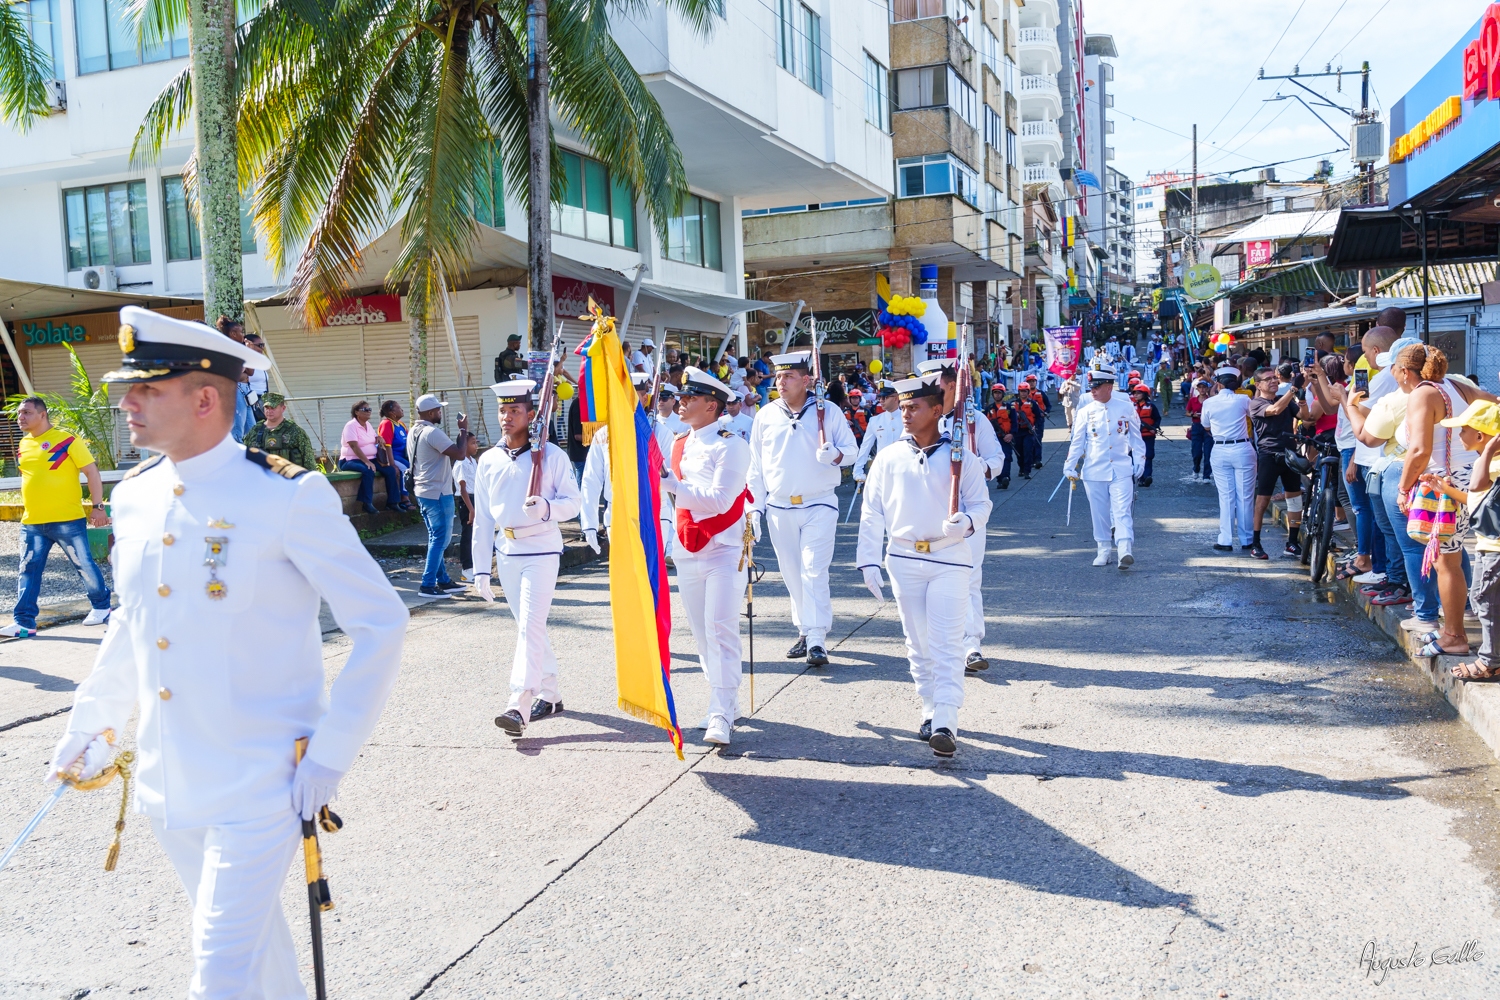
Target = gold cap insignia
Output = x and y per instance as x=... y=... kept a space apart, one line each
x=127 y=338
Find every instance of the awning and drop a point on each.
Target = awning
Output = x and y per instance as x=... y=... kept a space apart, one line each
x=1381 y=238
x=499 y=260
x=1306 y=277
x=1284 y=226
x=22 y=300
x=1335 y=315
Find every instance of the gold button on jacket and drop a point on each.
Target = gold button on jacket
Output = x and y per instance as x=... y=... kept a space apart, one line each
x=164 y=590
x=165 y=694
x=162 y=643
x=167 y=539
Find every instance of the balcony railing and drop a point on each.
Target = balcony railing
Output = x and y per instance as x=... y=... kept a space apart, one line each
x=1040 y=173
x=1037 y=36
x=1040 y=130
x=1039 y=86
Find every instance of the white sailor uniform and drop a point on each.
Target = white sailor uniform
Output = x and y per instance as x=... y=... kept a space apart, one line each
x=1107 y=453
x=1226 y=416
x=219 y=714
x=526 y=550
x=906 y=498
x=883 y=429
x=987 y=449
x=795 y=492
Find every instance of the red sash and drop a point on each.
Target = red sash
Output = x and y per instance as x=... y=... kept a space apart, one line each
x=694 y=534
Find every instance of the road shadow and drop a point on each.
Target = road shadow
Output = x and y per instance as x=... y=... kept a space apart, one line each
x=618 y=729
x=37 y=679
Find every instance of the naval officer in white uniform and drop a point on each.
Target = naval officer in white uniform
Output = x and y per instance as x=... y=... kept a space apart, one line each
x=215 y=543
x=1107 y=453
x=1226 y=415
x=906 y=498
x=519 y=530
x=706 y=475
x=883 y=429
x=793 y=479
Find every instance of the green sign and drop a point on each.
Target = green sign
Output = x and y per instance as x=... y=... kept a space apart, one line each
x=42 y=334
x=869 y=341
x=1201 y=281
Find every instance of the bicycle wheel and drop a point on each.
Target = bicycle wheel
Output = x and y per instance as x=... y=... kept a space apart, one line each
x=1322 y=535
x=1310 y=509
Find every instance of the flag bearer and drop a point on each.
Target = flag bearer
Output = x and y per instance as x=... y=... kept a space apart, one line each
x=520 y=531
x=907 y=499
x=1107 y=454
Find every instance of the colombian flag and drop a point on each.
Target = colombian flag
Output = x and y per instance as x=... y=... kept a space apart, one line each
x=638 y=590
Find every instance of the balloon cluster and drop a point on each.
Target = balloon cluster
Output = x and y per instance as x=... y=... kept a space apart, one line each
x=900 y=322
x=1221 y=342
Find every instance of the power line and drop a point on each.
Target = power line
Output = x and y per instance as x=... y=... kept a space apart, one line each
x=1361 y=30
x=1237 y=100
x=1325 y=28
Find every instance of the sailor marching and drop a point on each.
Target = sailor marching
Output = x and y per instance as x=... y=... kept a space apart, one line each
x=883 y=429
x=1107 y=453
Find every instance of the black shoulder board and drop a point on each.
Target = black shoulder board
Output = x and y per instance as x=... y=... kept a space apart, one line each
x=275 y=463
x=725 y=434
x=148 y=463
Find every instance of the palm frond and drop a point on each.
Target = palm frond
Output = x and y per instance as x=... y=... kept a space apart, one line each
x=24 y=70
x=170 y=112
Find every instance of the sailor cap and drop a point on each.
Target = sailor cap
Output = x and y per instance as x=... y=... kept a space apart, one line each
x=697 y=382
x=514 y=390
x=918 y=386
x=639 y=379
x=797 y=361
x=936 y=364
x=1226 y=370
x=157 y=347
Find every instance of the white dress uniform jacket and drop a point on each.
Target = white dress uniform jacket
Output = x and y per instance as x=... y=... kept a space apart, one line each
x=784 y=450
x=906 y=496
x=882 y=430
x=500 y=490
x=739 y=425
x=596 y=482
x=715 y=464
x=1106 y=440
x=225 y=686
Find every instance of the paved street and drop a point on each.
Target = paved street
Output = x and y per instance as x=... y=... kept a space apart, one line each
x=1196 y=778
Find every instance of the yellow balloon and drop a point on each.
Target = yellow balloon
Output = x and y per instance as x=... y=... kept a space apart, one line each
x=564 y=390
x=876 y=367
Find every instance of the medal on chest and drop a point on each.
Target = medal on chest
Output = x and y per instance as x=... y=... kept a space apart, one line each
x=214 y=556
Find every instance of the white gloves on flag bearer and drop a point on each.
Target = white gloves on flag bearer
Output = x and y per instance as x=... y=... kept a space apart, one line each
x=956 y=526
x=590 y=536
x=95 y=751
x=536 y=509
x=313 y=787
x=829 y=455
x=754 y=516
x=874 y=582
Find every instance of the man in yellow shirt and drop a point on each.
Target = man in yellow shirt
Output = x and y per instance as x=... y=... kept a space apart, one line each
x=51 y=461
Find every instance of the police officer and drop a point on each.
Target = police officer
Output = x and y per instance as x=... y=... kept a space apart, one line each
x=884 y=428
x=213 y=543
x=907 y=500
x=1106 y=453
x=520 y=531
x=706 y=477
x=1226 y=414
x=793 y=478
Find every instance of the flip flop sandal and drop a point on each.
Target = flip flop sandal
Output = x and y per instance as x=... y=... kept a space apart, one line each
x=1433 y=649
x=1472 y=672
x=1347 y=571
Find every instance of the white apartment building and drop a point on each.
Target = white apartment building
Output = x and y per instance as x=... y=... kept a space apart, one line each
x=1118 y=237
x=1040 y=61
x=771 y=109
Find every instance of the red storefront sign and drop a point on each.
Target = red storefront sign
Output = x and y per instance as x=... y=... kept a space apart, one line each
x=1259 y=253
x=570 y=298
x=364 y=310
x=1482 y=58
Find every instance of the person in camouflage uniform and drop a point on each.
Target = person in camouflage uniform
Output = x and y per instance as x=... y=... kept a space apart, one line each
x=277 y=435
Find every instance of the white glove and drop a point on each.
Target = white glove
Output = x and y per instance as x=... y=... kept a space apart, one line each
x=536 y=509
x=1140 y=470
x=669 y=482
x=956 y=526
x=313 y=787
x=859 y=475
x=482 y=586
x=829 y=455
x=590 y=536
x=874 y=582
x=755 y=524
x=95 y=751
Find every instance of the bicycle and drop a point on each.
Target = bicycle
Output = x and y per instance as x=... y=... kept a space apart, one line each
x=1322 y=499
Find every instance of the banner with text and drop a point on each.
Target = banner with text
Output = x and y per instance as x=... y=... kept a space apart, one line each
x=1064 y=346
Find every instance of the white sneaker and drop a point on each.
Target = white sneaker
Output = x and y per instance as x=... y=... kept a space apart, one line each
x=1369 y=577
x=1102 y=559
x=1126 y=560
x=718 y=731
x=467 y=576
x=14 y=631
x=97 y=617
x=1418 y=625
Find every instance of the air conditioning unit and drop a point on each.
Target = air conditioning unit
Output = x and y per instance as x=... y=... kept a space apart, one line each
x=96 y=279
x=774 y=336
x=57 y=94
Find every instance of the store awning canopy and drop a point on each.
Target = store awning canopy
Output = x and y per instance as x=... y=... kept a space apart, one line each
x=499 y=260
x=1284 y=226
x=1380 y=238
x=1335 y=316
x=23 y=300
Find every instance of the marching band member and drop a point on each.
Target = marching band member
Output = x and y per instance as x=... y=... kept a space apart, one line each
x=793 y=479
x=884 y=428
x=218 y=714
x=906 y=498
x=519 y=531
x=1107 y=453
x=596 y=469
x=707 y=477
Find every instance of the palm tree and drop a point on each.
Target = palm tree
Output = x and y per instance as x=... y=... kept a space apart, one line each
x=368 y=113
x=24 y=70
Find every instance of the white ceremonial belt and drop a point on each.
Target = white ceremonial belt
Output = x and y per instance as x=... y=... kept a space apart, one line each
x=936 y=545
x=798 y=499
x=526 y=530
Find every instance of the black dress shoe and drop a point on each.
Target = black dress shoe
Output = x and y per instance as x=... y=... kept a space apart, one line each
x=541 y=709
x=942 y=742
x=975 y=662
x=1146 y=481
x=817 y=656
x=511 y=722
x=1223 y=548
x=799 y=650
x=1005 y=484
x=924 y=732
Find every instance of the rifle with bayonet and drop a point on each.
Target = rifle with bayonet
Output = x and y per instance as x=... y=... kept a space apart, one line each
x=546 y=399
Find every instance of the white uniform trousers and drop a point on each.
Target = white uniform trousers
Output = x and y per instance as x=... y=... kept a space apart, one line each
x=803 y=540
x=712 y=591
x=933 y=601
x=528 y=582
x=974 y=622
x=1234 y=476
x=242 y=947
x=1111 y=503
x=668 y=524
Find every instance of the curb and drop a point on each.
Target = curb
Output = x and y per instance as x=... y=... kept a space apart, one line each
x=1477 y=702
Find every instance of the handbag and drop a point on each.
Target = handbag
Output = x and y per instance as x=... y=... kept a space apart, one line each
x=1432 y=517
x=409 y=481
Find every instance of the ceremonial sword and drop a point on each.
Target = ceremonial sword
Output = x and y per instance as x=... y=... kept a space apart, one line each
x=747 y=563
x=318 y=896
x=854 y=500
x=70 y=779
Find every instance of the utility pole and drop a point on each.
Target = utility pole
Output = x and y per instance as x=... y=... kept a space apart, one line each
x=538 y=178
x=1193 y=226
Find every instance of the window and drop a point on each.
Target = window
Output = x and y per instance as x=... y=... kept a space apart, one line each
x=43 y=21
x=912 y=10
x=107 y=40
x=1010 y=75
x=936 y=173
x=180 y=217
x=936 y=87
x=489 y=192
x=595 y=206
x=799 y=42
x=991 y=52
x=877 y=101
x=693 y=235
x=994 y=129
x=1012 y=156
x=108 y=224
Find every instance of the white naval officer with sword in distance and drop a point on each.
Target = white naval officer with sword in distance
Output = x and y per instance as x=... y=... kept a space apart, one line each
x=983 y=444
x=909 y=497
x=797 y=448
x=595 y=482
x=1107 y=453
x=215 y=542
x=706 y=475
x=883 y=429
x=516 y=523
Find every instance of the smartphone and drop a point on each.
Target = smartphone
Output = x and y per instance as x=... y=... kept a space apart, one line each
x=1309 y=357
x=1362 y=381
